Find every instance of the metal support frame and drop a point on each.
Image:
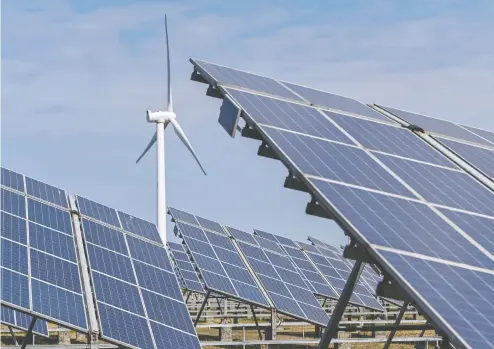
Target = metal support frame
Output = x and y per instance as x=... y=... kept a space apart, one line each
x=332 y=328
x=12 y=334
x=255 y=320
x=188 y=296
x=28 y=333
x=219 y=305
x=202 y=307
x=445 y=343
x=425 y=329
x=274 y=326
x=397 y=322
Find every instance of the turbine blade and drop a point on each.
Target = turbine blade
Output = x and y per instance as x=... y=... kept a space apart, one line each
x=180 y=133
x=170 y=101
x=150 y=144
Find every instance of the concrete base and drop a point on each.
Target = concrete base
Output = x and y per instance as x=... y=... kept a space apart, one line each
x=343 y=345
x=226 y=332
x=64 y=338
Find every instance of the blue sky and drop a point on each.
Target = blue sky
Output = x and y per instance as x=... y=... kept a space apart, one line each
x=77 y=77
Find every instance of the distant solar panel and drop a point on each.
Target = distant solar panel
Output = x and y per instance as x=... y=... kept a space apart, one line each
x=40 y=274
x=488 y=135
x=184 y=268
x=280 y=278
x=137 y=294
x=219 y=264
x=21 y=321
x=382 y=215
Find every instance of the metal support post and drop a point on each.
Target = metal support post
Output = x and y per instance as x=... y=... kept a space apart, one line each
x=397 y=322
x=12 y=334
x=188 y=296
x=445 y=343
x=28 y=333
x=332 y=328
x=202 y=307
x=425 y=328
x=255 y=320
x=274 y=326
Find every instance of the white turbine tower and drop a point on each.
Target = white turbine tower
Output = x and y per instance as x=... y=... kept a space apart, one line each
x=162 y=119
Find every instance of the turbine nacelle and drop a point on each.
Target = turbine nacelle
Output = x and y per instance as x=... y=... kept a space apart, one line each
x=160 y=116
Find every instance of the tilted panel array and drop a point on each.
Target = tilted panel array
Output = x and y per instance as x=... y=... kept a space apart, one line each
x=21 y=321
x=337 y=270
x=184 y=269
x=219 y=263
x=285 y=287
x=313 y=279
x=138 y=298
x=393 y=193
x=40 y=273
x=473 y=145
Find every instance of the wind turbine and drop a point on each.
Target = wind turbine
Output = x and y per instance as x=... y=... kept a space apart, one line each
x=162 y=119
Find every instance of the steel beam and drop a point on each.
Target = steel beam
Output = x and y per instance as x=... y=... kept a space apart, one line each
x=28 y=333
x=332 y=328
x=397 y=322
x=202 y=308
x=255 y=320
x=13 y=336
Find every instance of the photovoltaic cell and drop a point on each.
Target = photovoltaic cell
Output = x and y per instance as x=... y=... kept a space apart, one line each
x=220 y=275
x=437 y=126
x=132 y=274
x=288 y=116
x=231 y=77
x=337 y=102
x=481 y=158
x=50 y=247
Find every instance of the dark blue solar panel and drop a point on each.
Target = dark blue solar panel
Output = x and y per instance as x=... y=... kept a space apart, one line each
x=52 y=241
x=274 y=285
x=200 y=247
x=167 y=311
x=288 y=116
x=401 y=224
x=218 y=282
x=139 y=227
x=124 y=327
x=97 y=211
x=157 y=280
x=46 y=192
x=55 y=271
x=393 y=140
x=265 y=235
x=12 y=179
x=166 y=337
x=50 y=216
x=481 y=229
x=110 y=263
x=211 y=225
x=253 y=252
x=117 y=293
x=229 y=257
x=442 y=186
x=192 y=231
x=481 y=158
x=14 y=256
x=207 y=263
x=336 y=102
x=104 y=236
x=287 y=305
x=175 y=247
x=268 y=244
x=278 y=260
x=183 y=216
x=232 y=77
x=13 y=228
x=241 y=235
x=219 y=240
x=335 y=161
x=24 y=320
x=7 y=315
x=13 y=203
x=59 y=304
x=148 y=253
x=462 y=297
x=15 y=288
x=437 y=126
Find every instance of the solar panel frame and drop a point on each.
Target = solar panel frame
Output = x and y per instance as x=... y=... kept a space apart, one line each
x=133 y=309
x=346 y=224
x=34 y=284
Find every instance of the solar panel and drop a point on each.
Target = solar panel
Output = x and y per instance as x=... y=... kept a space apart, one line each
x=284 y=285
x=483 y=133
x=40 y=274
x=221 y=267
x=336 y=270
x=184 y=268
x=480 y=157
x=137 y=294
x=21 y=321
x=375 y=214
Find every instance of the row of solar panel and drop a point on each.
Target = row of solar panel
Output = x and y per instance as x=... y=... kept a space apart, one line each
x=410 y=206
x=19 y=320
x=138 y=298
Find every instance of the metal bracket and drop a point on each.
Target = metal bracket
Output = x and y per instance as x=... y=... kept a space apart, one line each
x=266 y=151
x=214 y=92
x=388 y=288
x=195 y=76
x=250 y=132
x=355 y=252
x=292 y=182
x=314 y=208
x=415 y=128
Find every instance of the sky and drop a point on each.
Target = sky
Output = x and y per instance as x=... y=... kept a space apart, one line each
x=78 y=76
